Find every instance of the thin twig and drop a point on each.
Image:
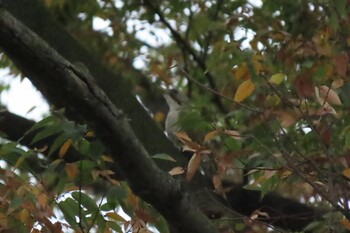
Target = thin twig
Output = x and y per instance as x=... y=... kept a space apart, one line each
x=185 y=47
x=219 y=94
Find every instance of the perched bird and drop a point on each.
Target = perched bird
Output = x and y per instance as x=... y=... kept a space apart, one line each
x=176 y=102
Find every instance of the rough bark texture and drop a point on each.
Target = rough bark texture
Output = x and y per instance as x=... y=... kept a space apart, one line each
x=33 y=15
x=65 y=84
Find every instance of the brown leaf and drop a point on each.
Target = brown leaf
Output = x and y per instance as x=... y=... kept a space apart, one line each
x=241 y=72
x=337 y=83
x=210 y=135
x=329 y=95
x=185 y=139
x=42 y=199
x=217 y=183
x=193 y=166
x=176 y=171
x=286 y=118
x=341 y=61
x=345 y=223
x=233 y=133
x=71 y=170
x=346 y=173
x=303 y=86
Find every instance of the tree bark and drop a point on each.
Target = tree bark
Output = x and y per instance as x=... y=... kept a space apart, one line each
x=33 y=14
x=65 y=84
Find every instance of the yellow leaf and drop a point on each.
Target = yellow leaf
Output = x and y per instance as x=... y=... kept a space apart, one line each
x=346 y=173
x=272 y=100
x=285 y=174
x=159 y=116
x=90 y=134
x=107 y=158
x=24 y=216
x=64 y=148
x=277 y=79
x=193 y=165
x=244 y=90
x=176 y=171
x=345 y=223
x=3 y=220
x=115 y=216
x=241 y=72
x=71 y=170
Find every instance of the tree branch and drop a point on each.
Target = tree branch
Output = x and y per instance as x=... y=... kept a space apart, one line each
x=32 y=13
x=185 y=47
x=65 y=84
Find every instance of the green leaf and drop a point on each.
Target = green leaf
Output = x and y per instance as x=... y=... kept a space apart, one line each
x=86 y=201
x=42 y=123
x=70 y=210
x=57 y=143
x=15 y=203
x=164 y=157
x=114 y=226
x=46 y=132
x=83 y=146
x=277 y=79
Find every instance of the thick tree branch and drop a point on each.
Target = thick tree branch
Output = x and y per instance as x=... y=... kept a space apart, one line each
x=34 y=15
x=65 y=84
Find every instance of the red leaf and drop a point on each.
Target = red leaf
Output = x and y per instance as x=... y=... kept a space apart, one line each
x=341 y=63
x=303 y=86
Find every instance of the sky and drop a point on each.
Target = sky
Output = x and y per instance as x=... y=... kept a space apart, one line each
x=22 y=98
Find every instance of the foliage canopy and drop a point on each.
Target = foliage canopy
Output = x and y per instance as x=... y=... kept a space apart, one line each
x=268 y=88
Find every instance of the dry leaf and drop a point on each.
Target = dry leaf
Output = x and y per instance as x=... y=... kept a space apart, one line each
x=186 y=140
x=345 y=223
x=42 y=199
x=241 y=72
x=258 y=213
x=210 y=135
x=285 y=174
x=303 y=86
x=90 y=134
x=193 y=166
x=329 y=95
x=233 y=133
x=346 y=173
x=217 y=183
x=341 y=61
x=337 y=83
x=107 y=158
x=286 y=119
x=64 y=148
x=176 y=171
x=244 y=90
x=71 y=170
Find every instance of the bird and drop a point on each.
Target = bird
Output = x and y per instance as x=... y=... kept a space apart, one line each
x=177 y=102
